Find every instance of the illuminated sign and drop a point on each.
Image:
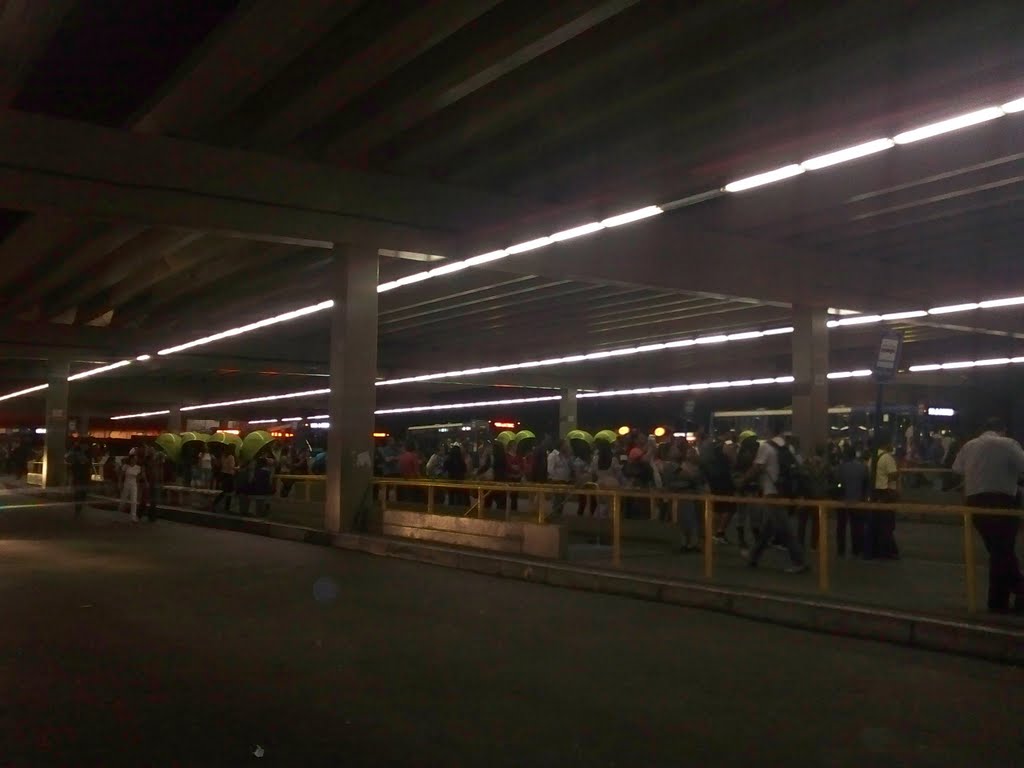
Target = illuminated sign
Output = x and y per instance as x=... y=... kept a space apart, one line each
x=505 y=425
x=380 y=434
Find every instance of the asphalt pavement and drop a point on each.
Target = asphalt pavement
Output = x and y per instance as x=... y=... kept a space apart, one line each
x=171 y=645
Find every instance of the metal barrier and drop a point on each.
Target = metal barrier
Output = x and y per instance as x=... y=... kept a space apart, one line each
x=306 y=480
x=476 y=494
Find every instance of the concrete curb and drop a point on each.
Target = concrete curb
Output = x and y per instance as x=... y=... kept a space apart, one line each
x=997 y=644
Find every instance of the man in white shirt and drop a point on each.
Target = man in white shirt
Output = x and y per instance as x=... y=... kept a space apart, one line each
x=559 y=471
x=991 y=465
x=775 y=465
x=881 y=534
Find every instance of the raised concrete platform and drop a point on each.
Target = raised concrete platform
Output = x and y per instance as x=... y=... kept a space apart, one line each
x=521 y=538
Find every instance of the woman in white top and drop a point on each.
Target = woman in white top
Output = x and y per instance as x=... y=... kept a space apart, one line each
x=205 y=468
x=130 y=473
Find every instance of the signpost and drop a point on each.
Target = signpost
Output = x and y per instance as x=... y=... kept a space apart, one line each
x=885 y=369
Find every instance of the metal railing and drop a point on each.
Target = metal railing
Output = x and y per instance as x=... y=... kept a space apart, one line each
x=476 y=495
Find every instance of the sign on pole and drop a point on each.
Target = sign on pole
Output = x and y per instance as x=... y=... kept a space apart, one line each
x=889 y=355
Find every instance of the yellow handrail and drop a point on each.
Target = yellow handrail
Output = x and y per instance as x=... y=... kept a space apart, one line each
x=708 y=501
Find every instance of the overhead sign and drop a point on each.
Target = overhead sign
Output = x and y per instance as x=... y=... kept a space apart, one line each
x=889 y=355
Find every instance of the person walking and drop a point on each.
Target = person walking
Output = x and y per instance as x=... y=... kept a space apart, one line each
x=154 y=469
x=205 y=468
x=228 y=468
x=81 y=475
x=775 y=468
x=131 y=474
x=991 y=466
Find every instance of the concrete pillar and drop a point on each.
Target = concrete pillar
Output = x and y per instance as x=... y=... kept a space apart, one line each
x=174 y=419
x=353 y=398
x=567 y=412
x=56 y=446
x=810 y=371
x=82 y=424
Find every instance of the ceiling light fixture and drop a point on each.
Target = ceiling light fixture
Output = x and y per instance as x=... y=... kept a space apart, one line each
x=855 y=320
x=1010 y=107
x=768 y=177
x=904 y=315
x=628 y=218
x=144 y=358
x=529 y=245
x=103 y=369
x=569 y=234
x=585 y=357
x=947 y=126
x=292 y=315
x=139 y=415
x=953 y=308
x=20 y=392
x=264 y=399
x=850 y=153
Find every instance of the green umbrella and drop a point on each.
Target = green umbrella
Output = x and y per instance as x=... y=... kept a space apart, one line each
x=525 y=435
x=197 y=437
x=170 y=444
x=227 y=439
x=607 y=435
x=253 y=443
x=505 y=437
x=579 y=434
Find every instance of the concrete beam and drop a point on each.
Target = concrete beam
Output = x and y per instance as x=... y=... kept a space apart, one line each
x=60 y=165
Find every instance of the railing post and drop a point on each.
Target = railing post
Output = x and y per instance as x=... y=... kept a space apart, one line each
x=480 y=502
x=430 y=499
x=972 y=587
x=508 y=505
x=675 y=511
x=383 y=497
x=654 y=507
x=823 y=575
x=308 y=484
x=277 y=487
x=709 y=549
x=616 y=530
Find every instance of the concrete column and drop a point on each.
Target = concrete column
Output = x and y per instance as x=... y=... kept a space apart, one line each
x=810 y=371
x=567 y=412
x=353 y=398
x=174 y=420
x=56 y=447
x=82 y=424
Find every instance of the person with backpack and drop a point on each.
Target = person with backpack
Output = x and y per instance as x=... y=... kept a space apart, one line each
x=746 y=483
x=775 y=469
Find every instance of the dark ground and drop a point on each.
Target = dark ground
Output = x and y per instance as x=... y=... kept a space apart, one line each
x=172 y=645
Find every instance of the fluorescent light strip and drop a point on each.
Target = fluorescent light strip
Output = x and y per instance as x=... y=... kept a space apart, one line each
x=95 y=371
x=855 y=320
x=834 y=375
x=947 y=126
x=530 y=245
x=265 y=421
x=264 y=399
x=850 y=153
x=139 y=415
x=292 y=315
x=292 y=418
x=953 y=308
x=1013 y=106
x=588 y=356
x=768 y=177
x=20 y=392
x=457 y=406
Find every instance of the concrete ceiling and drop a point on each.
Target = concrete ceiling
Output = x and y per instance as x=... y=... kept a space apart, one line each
x=164 y=174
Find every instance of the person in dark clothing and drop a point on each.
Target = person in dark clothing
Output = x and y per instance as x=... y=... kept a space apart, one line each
x=499 y=468
x=154 y=481
x=853 y=481
x=455 y=468
x=80 y=467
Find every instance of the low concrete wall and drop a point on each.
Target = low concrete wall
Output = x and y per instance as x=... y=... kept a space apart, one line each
x=518 y=538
